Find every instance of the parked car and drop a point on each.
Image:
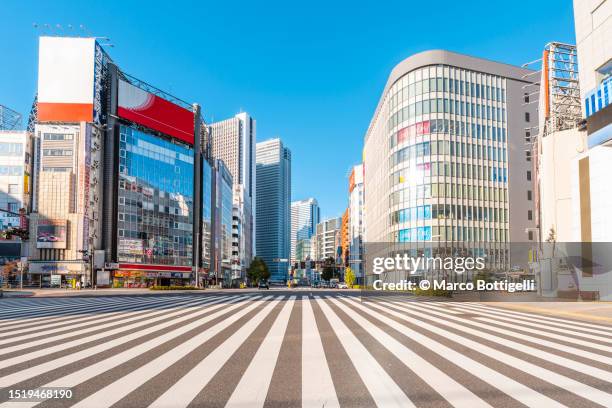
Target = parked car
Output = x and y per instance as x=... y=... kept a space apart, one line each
x=342 y=286
x=263 y=284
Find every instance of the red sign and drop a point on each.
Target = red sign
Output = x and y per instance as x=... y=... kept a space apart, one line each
x=156 y=113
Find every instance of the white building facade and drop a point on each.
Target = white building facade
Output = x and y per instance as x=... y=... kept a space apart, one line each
x=304 y=219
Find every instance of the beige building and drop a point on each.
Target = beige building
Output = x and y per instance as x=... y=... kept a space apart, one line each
x=64 y=222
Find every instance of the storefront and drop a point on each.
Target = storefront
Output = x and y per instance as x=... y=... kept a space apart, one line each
x=58 y=274
x=145 y=276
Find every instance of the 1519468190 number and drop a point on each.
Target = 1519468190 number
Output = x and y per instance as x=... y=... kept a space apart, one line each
x=38 y=394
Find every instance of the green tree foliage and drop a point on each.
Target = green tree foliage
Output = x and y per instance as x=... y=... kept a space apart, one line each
x=329 y=269
x=258 y=270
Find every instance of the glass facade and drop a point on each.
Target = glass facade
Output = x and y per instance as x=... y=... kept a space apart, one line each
x=207 y=181
x=155 y=200
x=448 y=159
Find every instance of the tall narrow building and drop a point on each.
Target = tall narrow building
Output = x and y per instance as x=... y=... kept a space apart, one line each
x=304 y=220
x=233 y=141
x=273 y=201
x=445 y=159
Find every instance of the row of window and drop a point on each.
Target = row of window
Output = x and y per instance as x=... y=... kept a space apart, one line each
x=452 y=148
x=418 y=172
x=11 y=149
x=449 y=211
x=11 y=170
x=424 y=191
x=57 y=152
x=58 y=136
x=453 y=86
x=452 y=106
x=448 y=233
x=452 y=127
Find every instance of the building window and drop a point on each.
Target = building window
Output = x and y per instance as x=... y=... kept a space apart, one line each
x=13 y=188
x=529 y=215
x=529 y=195
x=527 y=118
x=530 y=235
x=57 y=136
x=527 y=136
x=57 y=152
x=528 y=175
x=526 y=98
x=528 y=155
x=13 y=207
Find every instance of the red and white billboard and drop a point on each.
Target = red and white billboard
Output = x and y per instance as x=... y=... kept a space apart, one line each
x=147 y=109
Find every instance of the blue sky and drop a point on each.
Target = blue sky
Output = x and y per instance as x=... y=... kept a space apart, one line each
x=309 y=72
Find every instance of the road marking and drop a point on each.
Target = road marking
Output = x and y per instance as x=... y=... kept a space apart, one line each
x=317 y=385
x=384 y=391
x=253 y=387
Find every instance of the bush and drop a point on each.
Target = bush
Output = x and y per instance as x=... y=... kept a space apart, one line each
x=175 y=288
x=433 y=292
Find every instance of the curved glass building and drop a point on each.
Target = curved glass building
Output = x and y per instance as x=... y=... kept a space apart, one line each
x=446 y=156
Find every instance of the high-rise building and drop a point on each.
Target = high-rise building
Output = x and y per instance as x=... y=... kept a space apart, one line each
x=327 y=239
x=304 y=219
x=593 y=23
x=223 y=223
x=356 y=224
x=233 y=141
x=445 y=158
x=273 y=198
x=97 y=127
x=15 y=177
x=344 y=236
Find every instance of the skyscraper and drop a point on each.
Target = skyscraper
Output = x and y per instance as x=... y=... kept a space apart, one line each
x=273 y=201
x=445 y=158
x=356 y=214
x=304 y=220
x=233 y=141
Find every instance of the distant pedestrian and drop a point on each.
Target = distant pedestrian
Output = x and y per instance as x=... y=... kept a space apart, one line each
x=78 y=285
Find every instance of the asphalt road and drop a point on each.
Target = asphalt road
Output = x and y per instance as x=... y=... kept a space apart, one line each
x=284 y=348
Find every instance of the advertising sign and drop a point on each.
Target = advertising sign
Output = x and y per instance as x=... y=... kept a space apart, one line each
x=66 y=79
x=154 y=112
x=51 y=234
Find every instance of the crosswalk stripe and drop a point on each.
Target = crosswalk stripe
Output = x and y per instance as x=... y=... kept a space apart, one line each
x=188 y=387
x=118 y=326
x=590 y=327
x=115 y=391
x=122 y=317
x=522 y=393
x=381 y=386
x=317 y=385
x=576 y=387
x=253 y=386
x=91 y=371
x=534 y=351
x=446 y=386
x=606 y=338
x=83 y=353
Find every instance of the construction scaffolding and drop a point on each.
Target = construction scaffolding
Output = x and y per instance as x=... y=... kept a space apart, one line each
x=559 y=89
x=9 y=119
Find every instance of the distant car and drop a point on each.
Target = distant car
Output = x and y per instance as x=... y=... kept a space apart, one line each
x=263 y=285
x=342 y=286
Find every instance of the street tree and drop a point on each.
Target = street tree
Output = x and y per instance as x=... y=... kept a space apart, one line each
x=258 y=270
x=349 y=277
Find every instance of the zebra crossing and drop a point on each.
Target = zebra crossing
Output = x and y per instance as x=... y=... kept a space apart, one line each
x=298 y=348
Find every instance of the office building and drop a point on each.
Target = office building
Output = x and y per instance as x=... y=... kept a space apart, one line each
x=593 y=24
x=222 y=224
x=273 y=198
x=304 y=219
x=327 y=239
x=15 y=177
x=97 y=127
x=356 y=224
x=233 y=141
x=445 y=158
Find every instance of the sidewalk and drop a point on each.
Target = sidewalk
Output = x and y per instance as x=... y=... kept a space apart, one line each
x=600 y=312
x=16 y=293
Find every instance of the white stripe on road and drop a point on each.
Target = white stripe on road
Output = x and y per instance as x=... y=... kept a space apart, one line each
x=569 y=384
x=507 y=385
x=253 y=387
x=384 y=391
x=317 y=384
x=456 y=394
x=117 y=390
